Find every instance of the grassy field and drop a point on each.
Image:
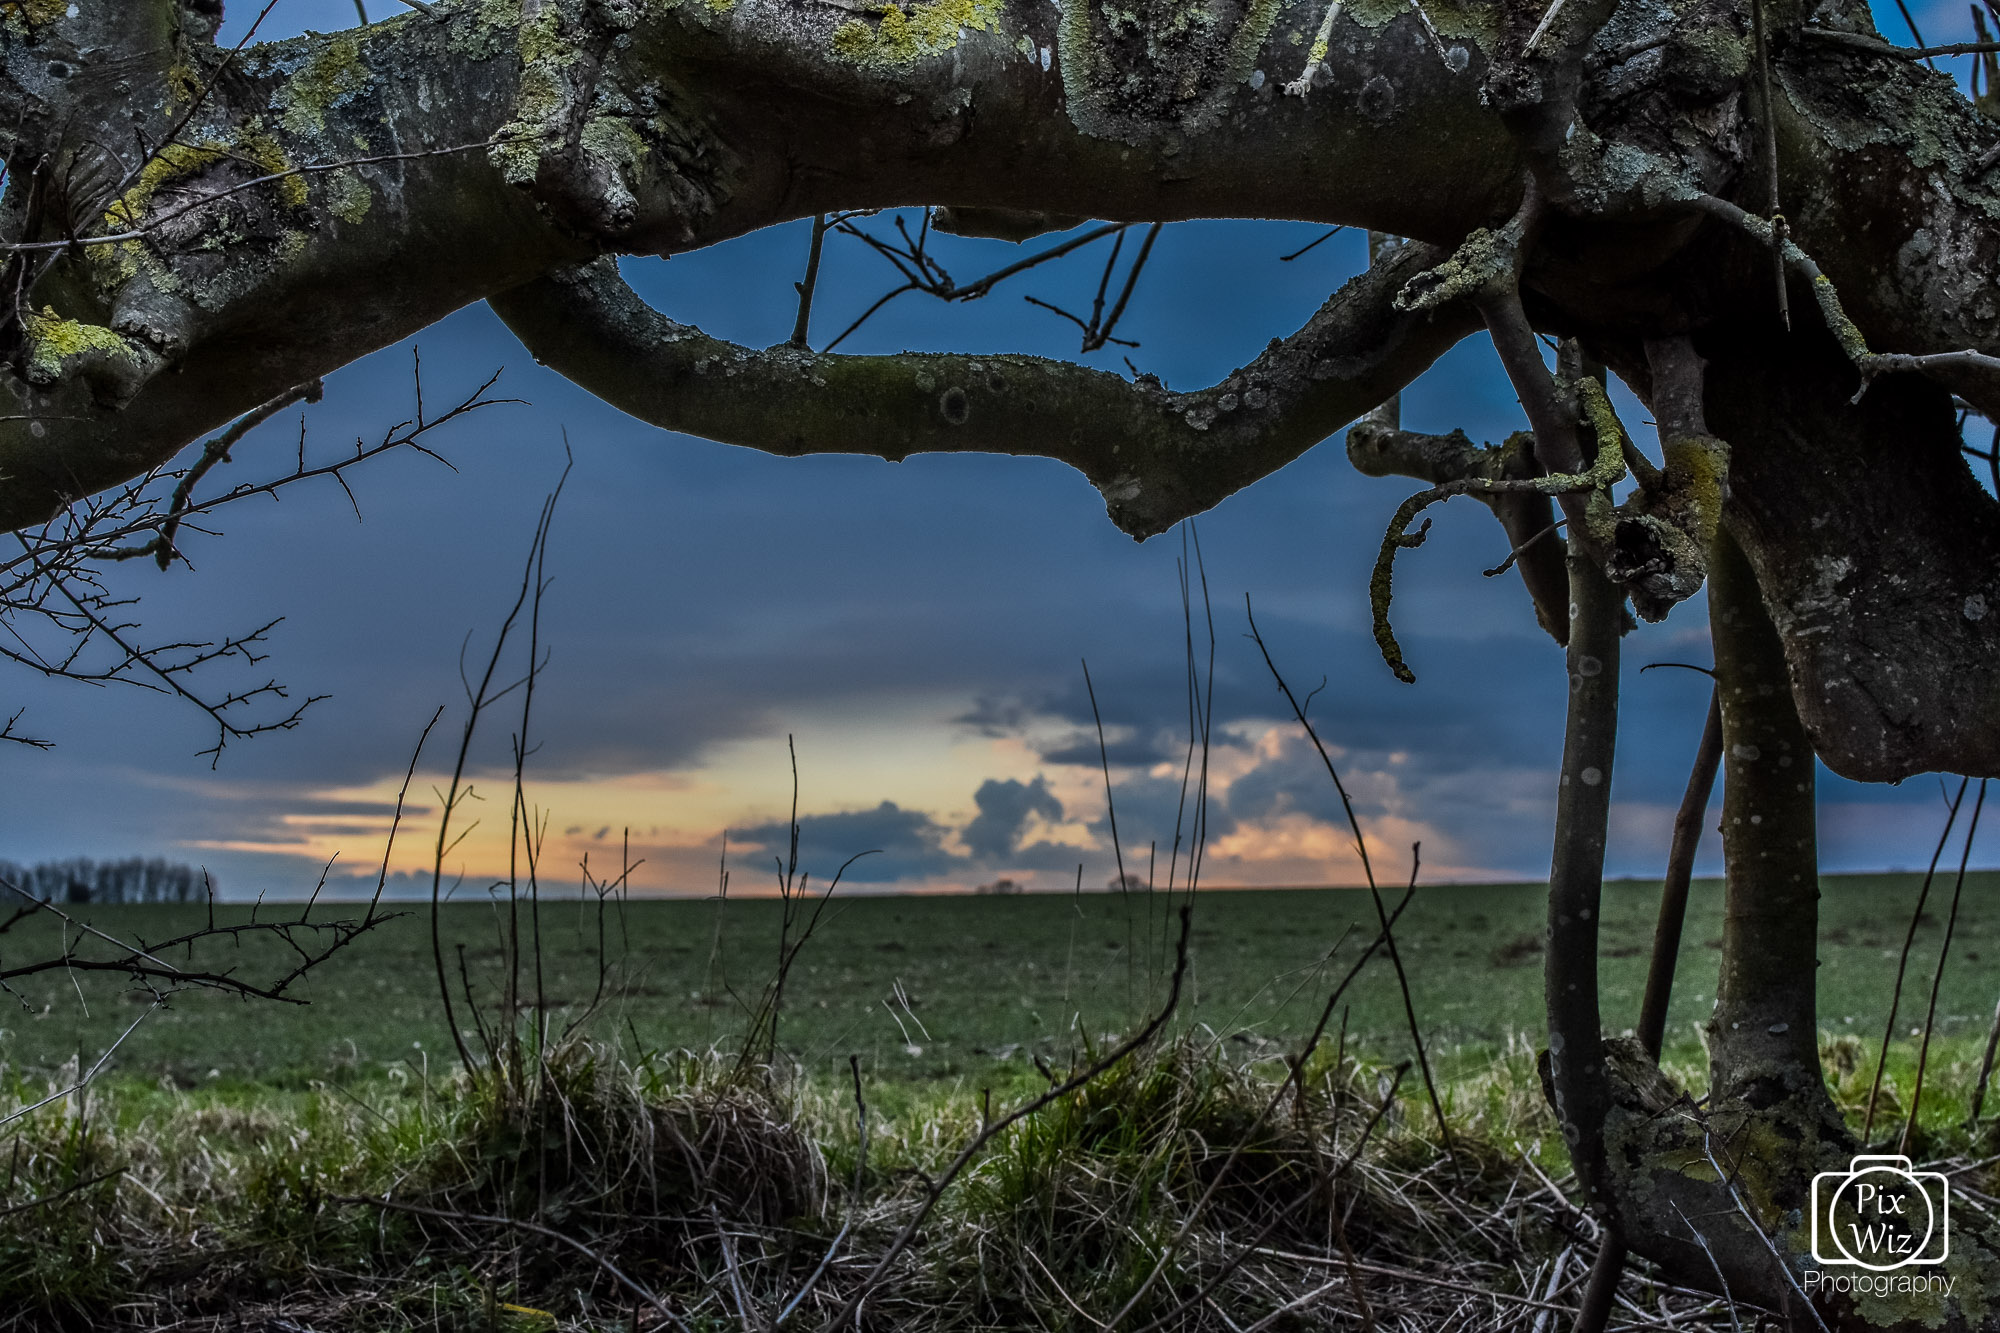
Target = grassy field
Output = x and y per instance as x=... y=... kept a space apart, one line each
x=268 y=1158
x=989 y=981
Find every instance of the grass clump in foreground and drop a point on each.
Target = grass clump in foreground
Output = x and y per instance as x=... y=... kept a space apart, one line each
x=1184 y=1188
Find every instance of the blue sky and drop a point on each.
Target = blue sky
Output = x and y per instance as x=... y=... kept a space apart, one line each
x=917 y=628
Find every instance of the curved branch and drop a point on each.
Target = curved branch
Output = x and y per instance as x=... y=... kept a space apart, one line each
x=1526 y=516
x=1156 y=456
x=1608 y=469
x=1875 y=46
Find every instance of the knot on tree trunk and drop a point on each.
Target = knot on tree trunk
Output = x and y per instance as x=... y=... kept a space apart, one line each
x=1661 y=534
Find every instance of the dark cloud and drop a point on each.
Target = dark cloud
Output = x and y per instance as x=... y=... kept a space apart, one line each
x=1141 y=689
x=1294 y=783
x=1151 y=812
x=1057 y=858
x=908 y=844
x=995 y=716
x=1004 y=810
x=1126 y=751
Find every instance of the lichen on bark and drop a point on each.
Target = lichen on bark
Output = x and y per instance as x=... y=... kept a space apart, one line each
x=1135 y=70
x=331 y=72
x=897 y=37
x=53 y=342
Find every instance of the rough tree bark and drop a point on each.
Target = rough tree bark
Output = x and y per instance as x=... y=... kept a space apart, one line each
x=190 y=233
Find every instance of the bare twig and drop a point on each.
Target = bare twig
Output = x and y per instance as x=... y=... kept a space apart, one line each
x=1903 y=961
x=83 y=1080
x=1111 y=810
x=1876 y=46
x=1937 y=974
x=66 y=621
x=1541 y=29
x=7 y=733
x=1728 y=1179
x=1715 y=1264
x=478 y=699
x=1674 y=888
x=1322 y=238
x=70 y=1192
x=1316 y=57
x=1368 y=869
x=810 y=282
x=145 y=964
x=1518 y=551
x=217 y=451
x=1333 y=997
x=922 y=273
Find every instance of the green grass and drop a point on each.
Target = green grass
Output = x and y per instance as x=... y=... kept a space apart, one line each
x=990 y=980
x=167 y=1205
x=211 y=1168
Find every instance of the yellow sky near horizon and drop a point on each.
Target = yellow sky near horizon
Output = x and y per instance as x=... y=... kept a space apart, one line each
x=671 y=823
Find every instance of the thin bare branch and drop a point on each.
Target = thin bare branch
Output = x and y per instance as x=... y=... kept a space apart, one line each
x=1937 y=974
x=1368 y=869
x=1903 y=961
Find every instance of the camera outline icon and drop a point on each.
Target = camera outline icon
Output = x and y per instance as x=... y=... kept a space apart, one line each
x=1866 y=1184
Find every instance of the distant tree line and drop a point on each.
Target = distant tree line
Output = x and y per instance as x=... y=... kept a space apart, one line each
x=136 y=879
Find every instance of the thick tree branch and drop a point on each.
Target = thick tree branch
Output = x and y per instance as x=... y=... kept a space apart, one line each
x=619 y=128
x=307 y=204
x=1156 y=455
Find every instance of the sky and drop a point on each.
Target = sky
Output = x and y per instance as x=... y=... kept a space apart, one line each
x=916 y=632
